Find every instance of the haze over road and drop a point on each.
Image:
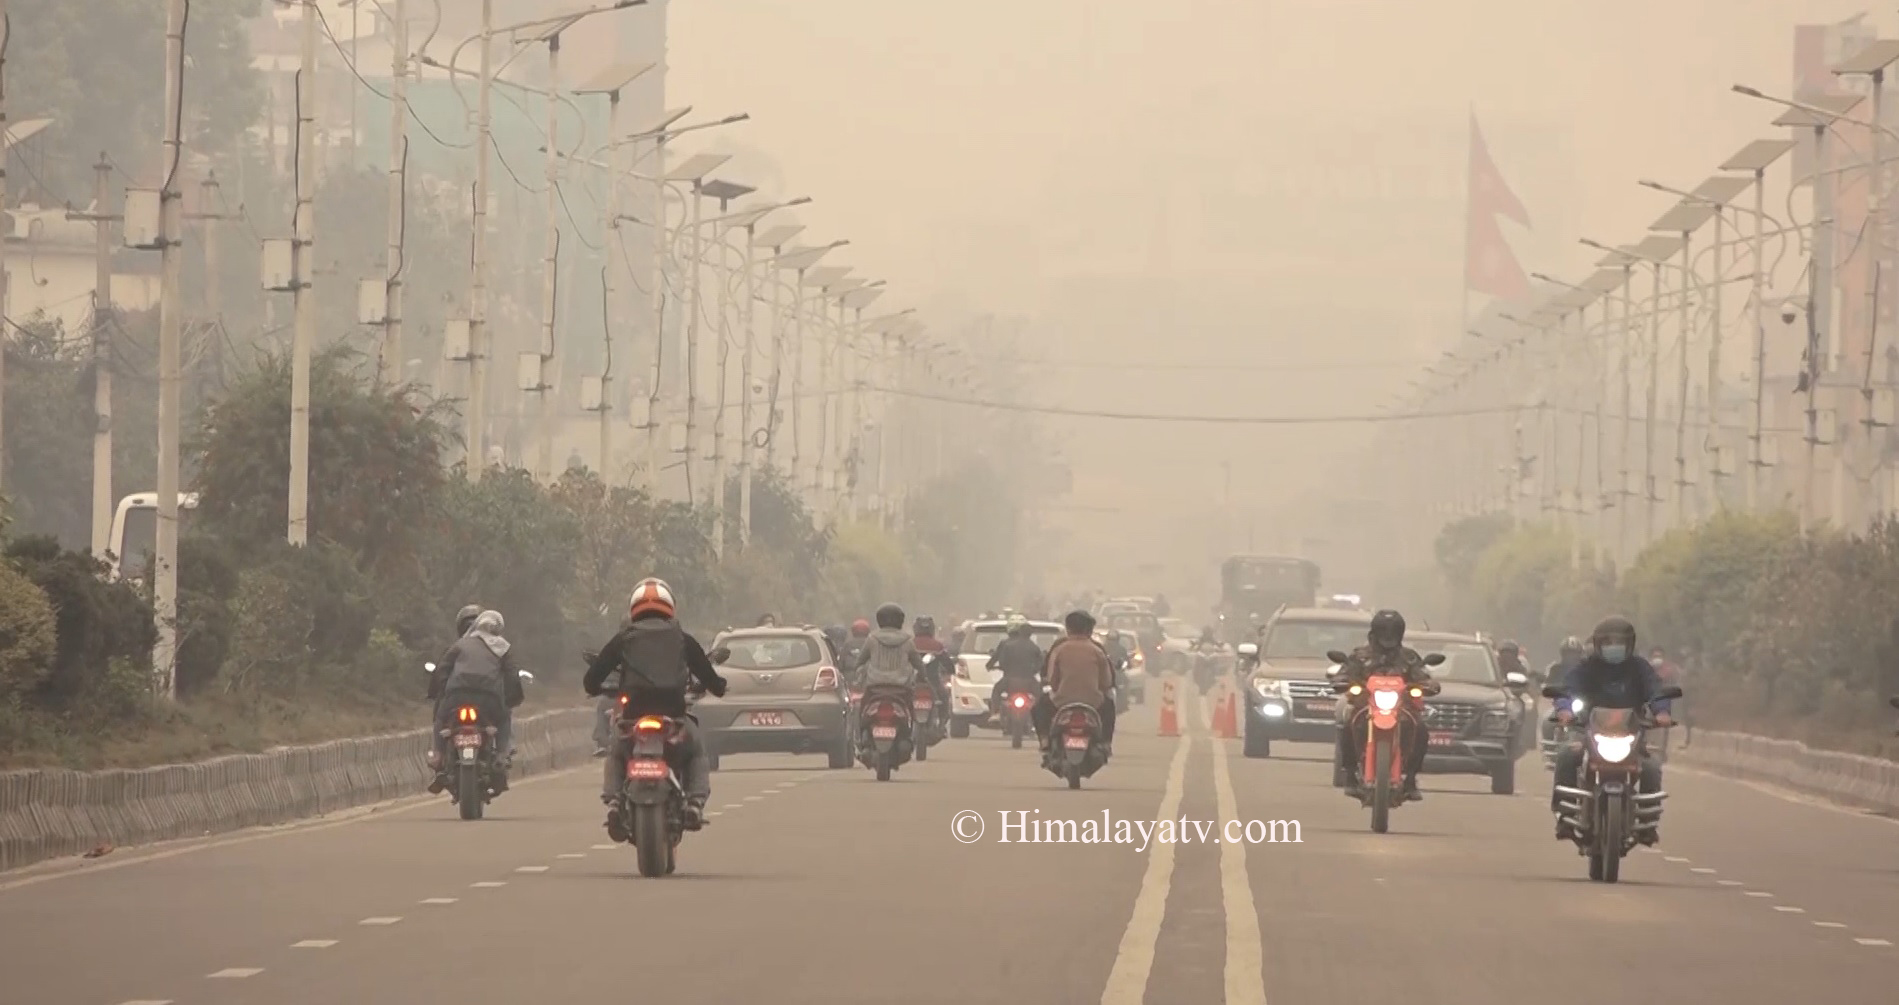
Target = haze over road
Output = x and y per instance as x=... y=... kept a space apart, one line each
x=825 y=886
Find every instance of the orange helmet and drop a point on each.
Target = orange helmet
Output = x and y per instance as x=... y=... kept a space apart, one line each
x=651 y=596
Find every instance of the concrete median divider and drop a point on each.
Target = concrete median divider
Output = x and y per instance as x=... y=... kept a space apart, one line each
x=53 y=813
x=1853 y=779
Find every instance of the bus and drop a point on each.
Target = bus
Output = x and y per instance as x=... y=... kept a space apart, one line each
x=1257 y=585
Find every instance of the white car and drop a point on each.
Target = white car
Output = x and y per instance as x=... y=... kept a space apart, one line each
x=1177 y=642
x=1137 y=667
x=973 y=682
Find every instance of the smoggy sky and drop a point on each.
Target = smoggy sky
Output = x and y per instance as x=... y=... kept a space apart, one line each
x=1275 y=183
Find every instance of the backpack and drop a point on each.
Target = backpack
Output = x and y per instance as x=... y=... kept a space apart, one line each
x=653 y=656
x=889 y=660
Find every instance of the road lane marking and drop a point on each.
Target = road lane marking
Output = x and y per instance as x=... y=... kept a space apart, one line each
x=487 y=884
x=532 y=868
x=1704 y=870
x=1244 y=983
x=1829 y=924
x=1758 y=893
x=1784 y=909
x=379 y=921
x=149 y=1001
x=572 y=854
x=732 y=806
x=1673 y=858
x=604 y=847
x=1134 y=960
x=234 y=973
x=1729 y=882
x=713 y=813
x=1872 y=942
x=753 y=799
x=313 y=944
x=440 y=900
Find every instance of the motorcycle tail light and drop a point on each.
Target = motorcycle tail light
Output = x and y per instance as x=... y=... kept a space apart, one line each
x=886 y=713
x=649 y=724
x=925 y=694
x=827 y=679
x=467 y=713
x=1021 y=700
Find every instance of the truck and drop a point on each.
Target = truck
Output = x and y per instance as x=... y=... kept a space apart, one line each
x=1252 y=587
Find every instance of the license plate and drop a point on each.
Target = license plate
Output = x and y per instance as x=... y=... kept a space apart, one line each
x=644 y=770
x=767 y=719
x=923 y=704
x=1443 y=739
x=883 y=732
x=1075 y=742
x=465 y=740
x=1318 y=707
x=468 y=753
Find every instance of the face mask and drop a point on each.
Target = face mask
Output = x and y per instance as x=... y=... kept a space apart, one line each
x=1615 y=654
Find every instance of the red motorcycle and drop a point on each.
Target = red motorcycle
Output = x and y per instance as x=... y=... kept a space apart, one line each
x=1393 y=708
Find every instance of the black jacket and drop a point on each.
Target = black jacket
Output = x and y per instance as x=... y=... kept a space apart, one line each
x=651 y=701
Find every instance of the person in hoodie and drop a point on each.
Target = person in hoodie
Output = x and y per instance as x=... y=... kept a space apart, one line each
x=657 y=661
x=478 y=670
x=890 y=659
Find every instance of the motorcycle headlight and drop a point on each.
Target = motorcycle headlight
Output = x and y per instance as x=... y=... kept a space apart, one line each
x=1385 y=700
x=1577 y=707
x=1614 y=749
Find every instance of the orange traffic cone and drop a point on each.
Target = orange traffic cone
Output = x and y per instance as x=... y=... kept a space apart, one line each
x=1228 y=727
x=1169 y=718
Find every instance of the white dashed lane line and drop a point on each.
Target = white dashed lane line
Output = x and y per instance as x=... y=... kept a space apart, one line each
x=1758 y=893
x=234 y=973
x=1703 y=870
x=379 y=922
x=1872 y=942
x=573 y=854
x=1829 y=924
x=1778 y=908
x=149 y=1001
x=604 y=847
x=1730 y=882
x=440 y=900
x=313 y=944
x=531 y=868
x=487 y=884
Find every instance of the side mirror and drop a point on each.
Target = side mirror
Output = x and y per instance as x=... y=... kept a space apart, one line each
x=1515 y=680
x=1552 y=691
x=1435 y=659
x=1249 y=650
x=430 y=667
x=589 y=655
x=1335 y=656
x=1667 y=694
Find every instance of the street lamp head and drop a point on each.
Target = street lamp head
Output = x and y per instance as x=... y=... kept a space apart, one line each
x=1749 y=91
x=1657 y=186
x=731 y=119
x=799 y=201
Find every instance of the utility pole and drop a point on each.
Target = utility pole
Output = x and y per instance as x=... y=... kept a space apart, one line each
x=304 y=270
x=213 y=306
x=747 y=445
x=170 y=322
x=1650 y=498
x=656 y=393
x=392 y=368
x=476 y=422
x=102 y=501
x=550 y=263
x=5 y=336
x=694 y=305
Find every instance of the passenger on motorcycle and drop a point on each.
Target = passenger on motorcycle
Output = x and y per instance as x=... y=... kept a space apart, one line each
x=477 y=670
x=657 y=661
x=1021 y=662
x=854 y=646
x=1385 y=653
x=1078 y=673
x=1611 y=677
x=1510 y=659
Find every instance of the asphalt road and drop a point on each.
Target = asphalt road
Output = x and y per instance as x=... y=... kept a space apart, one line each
x=825 y=886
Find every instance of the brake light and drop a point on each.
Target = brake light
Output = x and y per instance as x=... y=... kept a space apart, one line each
x=923 y=691
x=623 y=701
x=467 y=713
x=650 y=724
x=1077 y=723
x=1021 y=700
x=886 y=712
x=827 y=679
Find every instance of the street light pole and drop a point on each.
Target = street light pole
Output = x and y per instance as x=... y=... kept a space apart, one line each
x=476 y=425
x=398 y=170
x=170 y=320
x=304 y=336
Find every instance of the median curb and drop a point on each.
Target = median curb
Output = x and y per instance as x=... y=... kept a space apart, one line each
x=1854 y=779
x=53 y=813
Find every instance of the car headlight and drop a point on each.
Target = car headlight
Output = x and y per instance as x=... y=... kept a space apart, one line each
x=1269 y=688
x=1614 y=749
x=1385 y=700
x=1496 y=720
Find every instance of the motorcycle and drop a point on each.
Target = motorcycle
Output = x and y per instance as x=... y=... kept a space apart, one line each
x=1557 y=735
x=1605 y=810
x=886 y=730
x=476 y=774
x=653 y=798
x=1016 y=706
x=1381 y=763
x=929 y=728
x=1075 y=749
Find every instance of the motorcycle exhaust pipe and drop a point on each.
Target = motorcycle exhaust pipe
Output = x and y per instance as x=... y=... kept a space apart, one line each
x=1579 y=794
x=1574 y=823
x=1644 y=825
x=1650 y=797
x=1568 y=807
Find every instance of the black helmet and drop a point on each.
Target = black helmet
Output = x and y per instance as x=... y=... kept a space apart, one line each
x=925 y=625
x=890 y=616
x=1614 y=629
x=1509 y=647
x=1387 y=629
x=1079 y=623
x=838 y=635
x=465 y=618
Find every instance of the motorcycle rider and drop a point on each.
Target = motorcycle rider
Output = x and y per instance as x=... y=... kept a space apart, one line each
x=928 y=644
x=1384 y=653
x=837 y=635
x=1510 y=658
x=854 y=646
x=1078 y=673
x=657 y=661
x=477 y=670
x=1571 y=654
x=1612 y=677
x=890 y=660
x=767 y=621
x=1021 y=662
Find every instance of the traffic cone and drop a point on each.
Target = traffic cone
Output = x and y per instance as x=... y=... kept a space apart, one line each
x=1226 y=728
x=1169 y=718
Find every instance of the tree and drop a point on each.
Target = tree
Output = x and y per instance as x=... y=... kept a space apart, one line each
x=376 y=471
x=97 y=69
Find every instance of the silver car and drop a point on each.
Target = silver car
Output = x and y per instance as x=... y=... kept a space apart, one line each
x=784 y=696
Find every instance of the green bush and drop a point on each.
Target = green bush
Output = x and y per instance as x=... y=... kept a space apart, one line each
x=29 y=635
x=97 y=621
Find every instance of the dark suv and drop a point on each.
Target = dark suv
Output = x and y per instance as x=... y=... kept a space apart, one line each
x=1288 y=695
x=1481 y=722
